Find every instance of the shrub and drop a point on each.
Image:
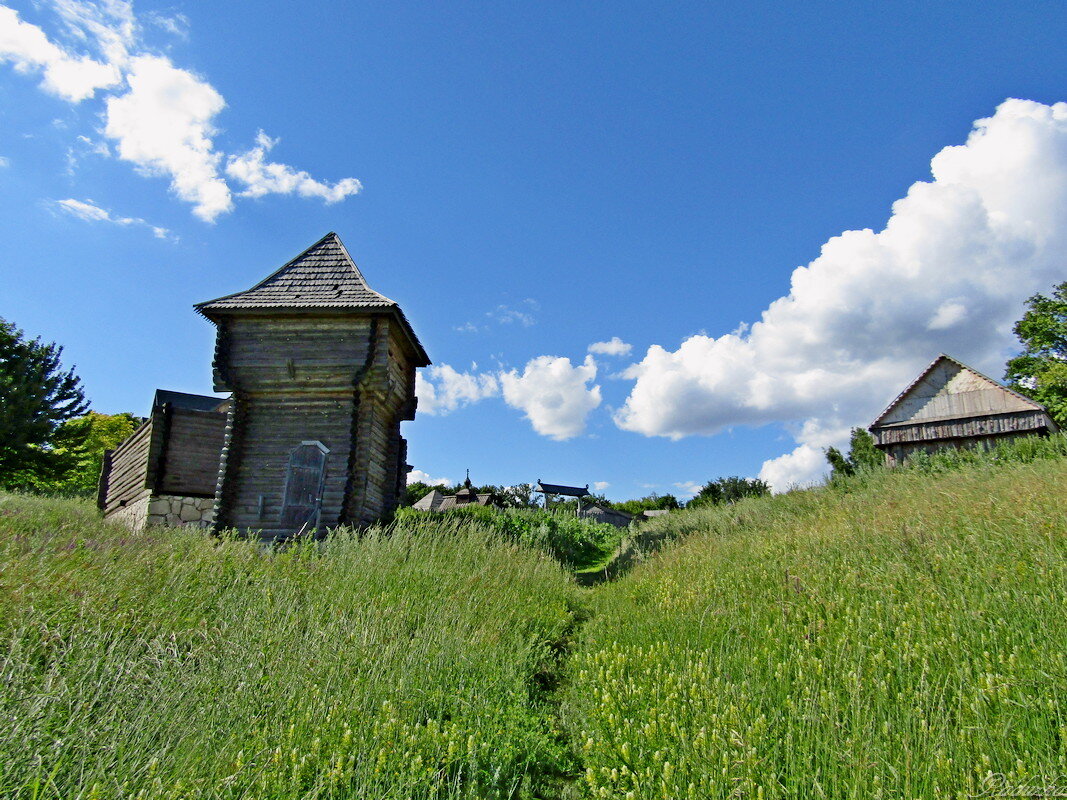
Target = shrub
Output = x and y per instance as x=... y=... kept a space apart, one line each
x=575 y=541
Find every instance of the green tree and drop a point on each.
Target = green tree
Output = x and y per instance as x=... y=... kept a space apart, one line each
x=102 y=432
x=728 y=490
x=417 y=490
x=862 y=455
x=652 y=502
x=1040 y=371
x=36 y=397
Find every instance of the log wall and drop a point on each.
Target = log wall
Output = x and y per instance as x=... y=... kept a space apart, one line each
x=345 y=381
x=126 y=479
x=993 y=425
x=192 y=443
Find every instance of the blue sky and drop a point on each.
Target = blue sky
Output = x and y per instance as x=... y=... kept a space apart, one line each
x=527 y=180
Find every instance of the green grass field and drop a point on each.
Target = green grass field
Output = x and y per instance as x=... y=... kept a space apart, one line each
x=902 y=635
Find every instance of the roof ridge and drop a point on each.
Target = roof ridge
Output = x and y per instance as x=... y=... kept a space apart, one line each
x=929 y=368
x=296 y=261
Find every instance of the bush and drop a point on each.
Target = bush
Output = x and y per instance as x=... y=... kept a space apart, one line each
x=1023 y=450
x=575 y=541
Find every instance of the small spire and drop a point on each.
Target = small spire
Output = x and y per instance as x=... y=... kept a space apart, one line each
x=467 y=482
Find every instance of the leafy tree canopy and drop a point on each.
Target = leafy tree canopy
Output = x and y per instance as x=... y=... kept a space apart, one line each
x=652 y=502
x=862 y=456
x=728 y=490
x=1040 y=371
x=36 y=397
x=102 y=432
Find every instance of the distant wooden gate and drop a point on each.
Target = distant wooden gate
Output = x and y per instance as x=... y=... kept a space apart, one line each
x=304 y=480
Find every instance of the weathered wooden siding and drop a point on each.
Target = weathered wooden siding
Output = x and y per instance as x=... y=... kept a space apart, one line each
x=272 y=426
x=896 y=454
x=127 y=478
x=267 y=353
x=1023 y=422
x=346 y=381
x=950 y=391
x=192 y=444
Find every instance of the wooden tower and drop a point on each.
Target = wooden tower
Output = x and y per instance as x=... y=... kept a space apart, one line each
x=322 y=371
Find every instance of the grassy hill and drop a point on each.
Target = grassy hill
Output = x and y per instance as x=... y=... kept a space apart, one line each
x=903 y=635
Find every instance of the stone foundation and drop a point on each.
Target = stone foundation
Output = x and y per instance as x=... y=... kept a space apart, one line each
x=133 y=516
x=173 y=510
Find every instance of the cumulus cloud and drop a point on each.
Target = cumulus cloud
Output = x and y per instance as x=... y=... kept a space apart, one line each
x=163 y=124
x=418 y=476
x=442 y=389
x=949 y=272
x=600 y=486
x=614 y=347
x=90 y=212
x=4 y=162
x=161 y=117
x=262 y=177
x=553 y=394
x=71 y=77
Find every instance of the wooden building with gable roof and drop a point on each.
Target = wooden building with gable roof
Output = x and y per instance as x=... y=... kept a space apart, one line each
x=166 y=471
x=322 y=372
x=953 y=405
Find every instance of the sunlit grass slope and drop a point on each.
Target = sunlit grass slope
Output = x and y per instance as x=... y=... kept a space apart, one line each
x=900 y=636
x=171 y=665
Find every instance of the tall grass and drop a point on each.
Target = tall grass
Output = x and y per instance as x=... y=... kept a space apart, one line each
x=577 y=542
x=906 y=638
x=899 y=635
x=170 y=665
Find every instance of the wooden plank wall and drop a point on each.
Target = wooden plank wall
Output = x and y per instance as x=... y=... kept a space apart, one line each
x=343 y=380
x=273 y=426
x=295 y=353
x=1022 y=422
x=191 y=453
x=127 y=479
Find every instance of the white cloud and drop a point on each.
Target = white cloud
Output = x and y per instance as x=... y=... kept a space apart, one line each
x=263 y=177
x=614 y=347
x=506 y=315
x=600 y=486
x=688 y=488
x=161 y=117
x=90 y=212
x=553 y=394
x=164 y=126
x=418 y=476
x=442 y=389
x=174 y=24
x=949 y=272
x=4 y=162
x=107 y=25
x=73 y=78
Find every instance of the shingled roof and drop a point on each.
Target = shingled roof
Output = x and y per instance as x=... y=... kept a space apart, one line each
x=323 y=277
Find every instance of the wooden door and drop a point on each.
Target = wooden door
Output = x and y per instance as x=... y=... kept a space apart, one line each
x=304 y=480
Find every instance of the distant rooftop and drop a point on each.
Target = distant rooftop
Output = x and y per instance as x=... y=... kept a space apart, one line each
x=566 y=491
